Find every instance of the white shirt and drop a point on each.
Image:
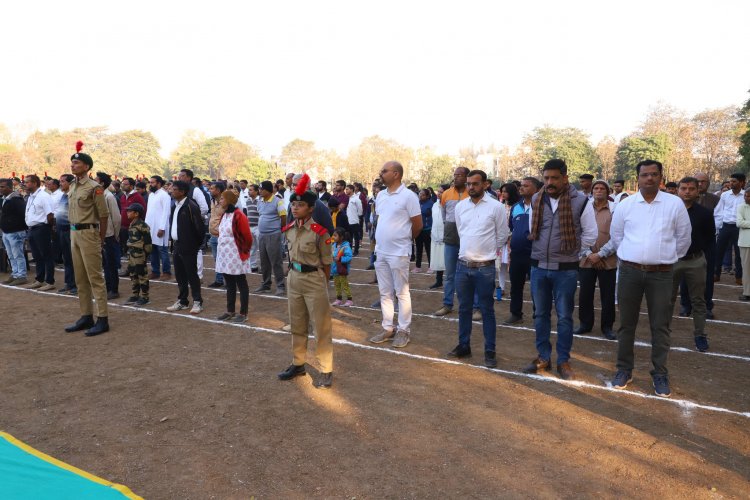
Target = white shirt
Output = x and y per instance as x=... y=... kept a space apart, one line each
x=157 y=216
x=395 y=210
x=177 y=208
x=38 y=206
x=620 y=196
x=354 y=209
x=200 y=200
x=726 y=209
x=56 y=197
x=482 y=228
x=651 y=233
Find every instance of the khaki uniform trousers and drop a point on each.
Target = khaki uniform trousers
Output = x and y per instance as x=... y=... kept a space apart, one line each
x=308 y=300
x=86 y=249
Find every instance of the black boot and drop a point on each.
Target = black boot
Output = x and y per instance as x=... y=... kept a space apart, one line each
x=101 y=326
x=82 y=323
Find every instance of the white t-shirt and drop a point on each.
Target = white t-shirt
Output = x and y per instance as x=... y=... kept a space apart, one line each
x=395 y=210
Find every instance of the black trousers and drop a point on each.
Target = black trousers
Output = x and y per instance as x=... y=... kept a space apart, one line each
x=728 y=235
x=355 y=231
x=607 y=282
x=41 y=249
x=233 y=282
x=186 y=273
x=423 y=243
x=519 y=271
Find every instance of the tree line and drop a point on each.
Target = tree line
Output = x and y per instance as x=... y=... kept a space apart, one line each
x=716 y=141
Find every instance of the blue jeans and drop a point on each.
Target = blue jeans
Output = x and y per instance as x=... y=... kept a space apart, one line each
x=111 y=263
x=13 y=243
x=160 y=254
x=470 y=283
x=449 y=277
x=63 y=236
x=547 y=285
x=213 y=242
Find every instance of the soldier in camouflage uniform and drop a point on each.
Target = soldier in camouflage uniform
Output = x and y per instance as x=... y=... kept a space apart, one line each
x=139 y=248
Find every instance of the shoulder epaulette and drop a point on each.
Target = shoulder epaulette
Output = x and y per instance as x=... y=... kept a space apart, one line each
x=288 y=226
x=318 y=229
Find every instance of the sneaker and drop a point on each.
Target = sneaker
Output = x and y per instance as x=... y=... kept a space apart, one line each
x=401 y=339
x=661 y=386
x=701 y=343
x=381 y=337
x=417 y=270
x=8 y=280
x=64 y=290
x=512 y=320
x=18 y=282
x=197 y=307
x=177 y=306
x=46 y=287
x=443 y=311
x=286 y=328
x=476 y=315
x=131 y=300
x=238 y=318
x=262 y=289
x=375 y=305
x=36 y=284
x=336 y=303
x=622 y=379
x=142 y=301
x=225 y=316
x=348 y=303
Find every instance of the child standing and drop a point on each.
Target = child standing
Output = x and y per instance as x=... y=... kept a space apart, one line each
x=139 y=248
x=342 y=256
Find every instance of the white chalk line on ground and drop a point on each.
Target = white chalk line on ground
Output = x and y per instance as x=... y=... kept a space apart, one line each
x=638 y=343
x=683 y=403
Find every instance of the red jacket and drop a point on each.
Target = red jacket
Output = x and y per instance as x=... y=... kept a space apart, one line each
x=125 y=202
x=243 y=238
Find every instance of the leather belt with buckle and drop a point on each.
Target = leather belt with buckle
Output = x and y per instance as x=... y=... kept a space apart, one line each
x=649 y=268
x=474 y=264
x=303 y=268
x=80 y=227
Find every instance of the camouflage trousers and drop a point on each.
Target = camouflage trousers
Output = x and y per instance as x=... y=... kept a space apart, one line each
x=139 y=278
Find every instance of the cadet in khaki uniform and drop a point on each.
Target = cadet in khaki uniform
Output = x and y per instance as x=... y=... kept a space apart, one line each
x=88 y=216
x=307 y=287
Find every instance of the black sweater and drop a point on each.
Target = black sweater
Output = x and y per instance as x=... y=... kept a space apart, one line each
x=13 y=214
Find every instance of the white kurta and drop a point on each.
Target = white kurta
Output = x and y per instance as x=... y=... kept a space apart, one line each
x=157 y=216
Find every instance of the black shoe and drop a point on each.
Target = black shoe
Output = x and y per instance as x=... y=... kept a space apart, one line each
x=744 y=298
x=124 y=274
x=83 y=323
x=709 y=315
x=608 y=333
x=142 y=301
x=537 y=365
x=101 y=326
x=513 y=319
x=581 y=330
x=112 y=295
x=216 y=284
x=370 y=267
x=324 y=381
x=685 y=312
x=291 y=372
x=436 y=285
x=489 y=359
x=131 y=300
x=701 y=343
x=460 y=351
x=253 y=269
x=375 y=305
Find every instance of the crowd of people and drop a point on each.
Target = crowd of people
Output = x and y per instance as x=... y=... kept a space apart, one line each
x=481 y=244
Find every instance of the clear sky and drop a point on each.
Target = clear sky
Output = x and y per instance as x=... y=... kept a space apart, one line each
x=441 y=73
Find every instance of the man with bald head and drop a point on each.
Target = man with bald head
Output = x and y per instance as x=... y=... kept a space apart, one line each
x=709 y=201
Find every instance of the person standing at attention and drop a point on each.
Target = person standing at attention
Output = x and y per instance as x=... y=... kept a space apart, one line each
x=399 y=222
x=650 y=231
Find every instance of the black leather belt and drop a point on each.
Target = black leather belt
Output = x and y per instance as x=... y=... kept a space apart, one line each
x=302 y=268
x=561 y=266
x=38 y=226
x=475 y=264
x=649 y=268
x=692 y=255
x=79 y=227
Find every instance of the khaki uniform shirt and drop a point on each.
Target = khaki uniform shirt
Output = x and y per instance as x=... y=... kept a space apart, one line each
x=308 y=247
x=86 y=204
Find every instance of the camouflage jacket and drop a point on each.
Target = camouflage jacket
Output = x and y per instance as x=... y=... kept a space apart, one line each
x=139 y=242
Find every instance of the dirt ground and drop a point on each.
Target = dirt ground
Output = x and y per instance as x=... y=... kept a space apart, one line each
x=175 y=406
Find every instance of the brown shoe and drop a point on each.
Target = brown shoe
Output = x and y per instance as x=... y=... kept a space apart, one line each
x=738 y=281
x=537 y=365
x=443 y=311
x=565 y=371
x=717 y=278
x=153 y=276
x=166 y=277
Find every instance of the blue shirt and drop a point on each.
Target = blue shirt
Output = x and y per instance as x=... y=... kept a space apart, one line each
x=61 y=212
x=426 y=208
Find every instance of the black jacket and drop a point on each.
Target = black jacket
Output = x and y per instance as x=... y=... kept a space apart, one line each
x=190 y=228
x=342 y=221
x=13 y=214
